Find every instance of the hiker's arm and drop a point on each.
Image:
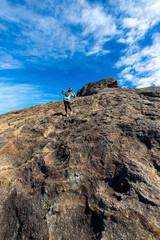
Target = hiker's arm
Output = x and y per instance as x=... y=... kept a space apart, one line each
x=73 y=95
x=64 y=91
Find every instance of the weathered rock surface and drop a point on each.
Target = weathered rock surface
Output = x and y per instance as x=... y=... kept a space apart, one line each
x=92 y=176
x=97 y=87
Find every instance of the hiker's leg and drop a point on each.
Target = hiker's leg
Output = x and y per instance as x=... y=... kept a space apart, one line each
x=69 y=106
x=65 y=104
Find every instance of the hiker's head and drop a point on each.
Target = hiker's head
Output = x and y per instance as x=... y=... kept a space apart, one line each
x=70 y=90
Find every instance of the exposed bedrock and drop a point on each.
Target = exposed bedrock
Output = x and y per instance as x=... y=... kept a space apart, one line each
x=97 y=87
x=92 y=176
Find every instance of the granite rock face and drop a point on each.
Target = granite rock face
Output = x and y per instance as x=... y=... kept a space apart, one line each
x=97 y=87
x=95 y=175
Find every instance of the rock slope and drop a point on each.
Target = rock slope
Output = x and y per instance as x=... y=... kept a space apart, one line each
x=94 y=175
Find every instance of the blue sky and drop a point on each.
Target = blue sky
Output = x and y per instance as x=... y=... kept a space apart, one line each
x=50 y=45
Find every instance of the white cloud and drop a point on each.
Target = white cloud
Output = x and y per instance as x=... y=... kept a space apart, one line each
x=97 y=25
x=95 y=21
x=5 y=79
x=8 y=62
x=98 y=51
x=128 y=77
x=57 y=29
x=140 y=64
x=13 y=96
x=136 y=18
x=142 y=68
x=52 y=34
x=46 y=27
x=130 y=22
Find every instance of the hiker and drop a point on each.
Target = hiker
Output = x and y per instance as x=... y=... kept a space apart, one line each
x=68 y=95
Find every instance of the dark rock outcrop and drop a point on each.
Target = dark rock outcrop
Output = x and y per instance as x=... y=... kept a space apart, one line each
x=97 y=87
x=92 y=176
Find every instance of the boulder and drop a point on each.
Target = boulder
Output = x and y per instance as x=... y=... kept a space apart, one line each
x=97 y=87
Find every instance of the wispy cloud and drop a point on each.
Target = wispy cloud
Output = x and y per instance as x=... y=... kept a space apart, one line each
x=4 y=79
x=8 y=62
x=60 y=28
x=52 y=34
x=97 y=26
x=45 y=30
x=93 y=19
x=141 y=67
x=14 y=96
x=139 y=63
x=136 y=18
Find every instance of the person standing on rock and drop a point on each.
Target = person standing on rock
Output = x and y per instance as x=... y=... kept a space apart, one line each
x=67 y=97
